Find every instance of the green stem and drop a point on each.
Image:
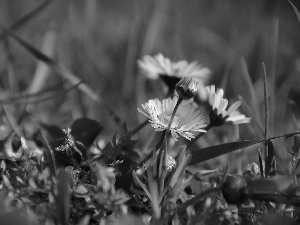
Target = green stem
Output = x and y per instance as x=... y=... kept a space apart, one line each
x=139 y=127
x=173 y=115
x=163 y=154
x=207 y=128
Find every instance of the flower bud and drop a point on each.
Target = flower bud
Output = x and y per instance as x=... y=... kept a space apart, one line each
x=170 y=163
x=186 y=88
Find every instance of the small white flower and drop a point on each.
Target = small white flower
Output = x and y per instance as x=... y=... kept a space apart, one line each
x=187 y=118
x=186 y=88
x=253 y=168
x=170 y=163
x=153 y=67
x=219 y=104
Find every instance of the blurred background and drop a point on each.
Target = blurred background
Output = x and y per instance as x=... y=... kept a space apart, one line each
x=101 y=41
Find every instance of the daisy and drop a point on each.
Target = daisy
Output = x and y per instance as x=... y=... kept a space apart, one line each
x=219 y=115
x=186 y=120
x=171 y=72
x=186 y=88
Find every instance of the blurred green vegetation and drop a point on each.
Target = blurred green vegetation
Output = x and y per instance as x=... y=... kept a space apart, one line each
x=100 y=42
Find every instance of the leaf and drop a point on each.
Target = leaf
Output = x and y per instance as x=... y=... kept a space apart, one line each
x=124 y=148
x=274 y=197
x=7 y=182
x=269 y=164
x=292 y=144
x=252 y=98
x=85 y=220
x=296 y=11
x=63 y=197
x=85 y=130
x=261 y=165
x=12 y=147
x=271 y=185
x=53 y=132
x=142 y=185
x=27 y=17
x=125 y=219
x=295 y=167
x=201 y=155
x=126 y=142
x=80 y=191
x=196 y=199
x=62 y=71
x=125 y=182
x=49 y=154
x=275 y=218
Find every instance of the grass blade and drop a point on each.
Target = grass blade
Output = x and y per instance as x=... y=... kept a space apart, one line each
x=27 y=17
x=252 y=115
x=274 y=47
x=42 y=71
x=252 y=98
x=142 y=185
x=197 y=198
x=201 y=155
x=296 y=11
x=49 y=154
x=63 y=197
x=61 y=70
x=261 y=166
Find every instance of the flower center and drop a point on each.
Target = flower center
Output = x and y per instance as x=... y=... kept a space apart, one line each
x=166 y=116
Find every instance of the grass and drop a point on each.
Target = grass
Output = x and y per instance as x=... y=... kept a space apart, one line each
x=65 y=60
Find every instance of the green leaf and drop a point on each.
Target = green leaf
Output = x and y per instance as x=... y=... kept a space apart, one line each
x=201 y=155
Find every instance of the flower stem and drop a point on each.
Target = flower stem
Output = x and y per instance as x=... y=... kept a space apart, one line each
x=173 y=114
x=139 y=127
x=208 y=127
x=164 y=153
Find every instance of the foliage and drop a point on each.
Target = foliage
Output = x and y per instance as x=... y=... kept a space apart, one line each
x=60 y=167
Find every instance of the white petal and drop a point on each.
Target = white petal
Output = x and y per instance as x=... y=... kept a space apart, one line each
x=234 y=107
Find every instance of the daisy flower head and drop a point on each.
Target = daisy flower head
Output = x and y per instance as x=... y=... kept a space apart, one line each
x=187 y=118
x=170 y=72
x=186 y=88
x=152 y=67
x=219 y=115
